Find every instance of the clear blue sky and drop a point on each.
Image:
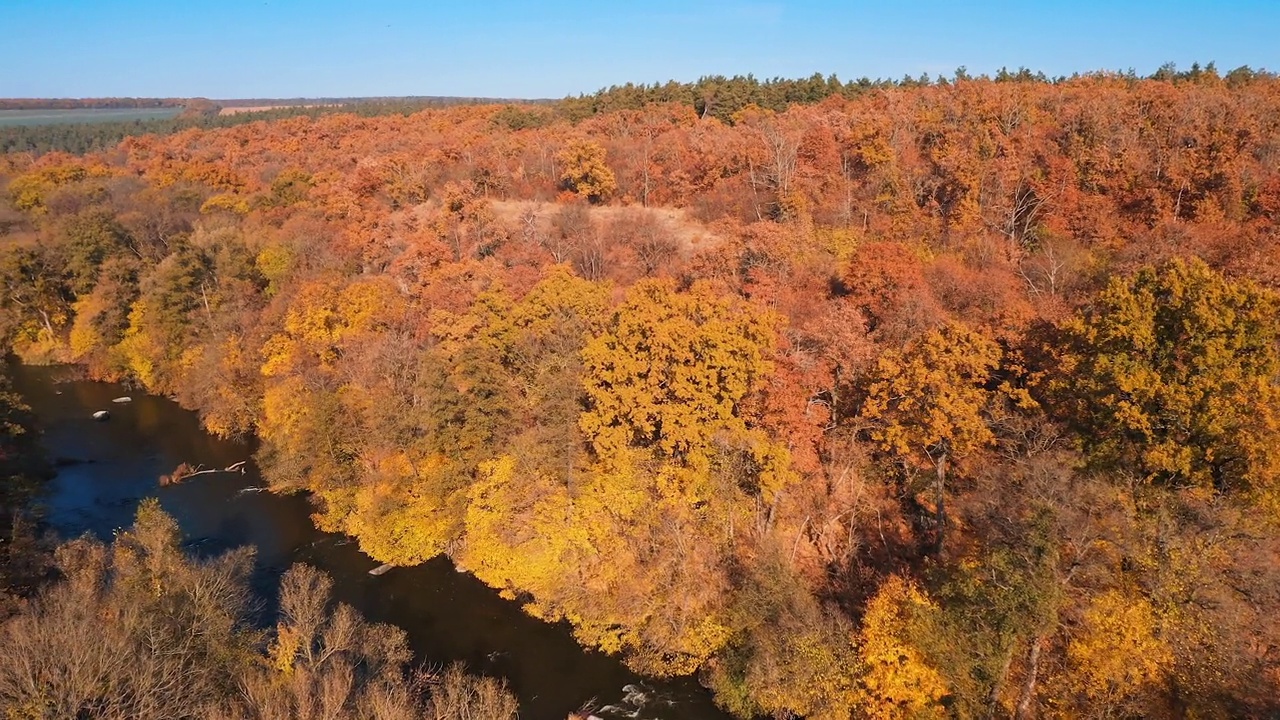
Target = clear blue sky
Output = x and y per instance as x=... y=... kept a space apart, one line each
x=290 y=48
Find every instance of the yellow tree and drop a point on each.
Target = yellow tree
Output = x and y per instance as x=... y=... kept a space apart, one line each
x=585 y=171
x=607 y=557
x=670 y=374
x=927 y=402
x=680 y=464
x=1118 y=655
x=311 y=424
x=898 y=682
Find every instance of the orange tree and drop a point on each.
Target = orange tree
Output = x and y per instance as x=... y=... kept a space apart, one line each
x=927 y=403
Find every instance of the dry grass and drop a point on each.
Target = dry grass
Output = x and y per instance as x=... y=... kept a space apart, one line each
x=689 y=234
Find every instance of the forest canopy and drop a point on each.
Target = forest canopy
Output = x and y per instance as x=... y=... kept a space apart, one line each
x=926 y=399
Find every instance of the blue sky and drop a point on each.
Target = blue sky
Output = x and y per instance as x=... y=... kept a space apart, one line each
x=290 y=48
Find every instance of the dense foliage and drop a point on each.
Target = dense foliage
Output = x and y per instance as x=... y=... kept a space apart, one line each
x=136 y=629
x=762 y=364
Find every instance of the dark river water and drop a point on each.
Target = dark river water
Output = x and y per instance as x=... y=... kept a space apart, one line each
x=107 y=468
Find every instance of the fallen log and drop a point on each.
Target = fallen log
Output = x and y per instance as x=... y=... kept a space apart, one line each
x=185 y=471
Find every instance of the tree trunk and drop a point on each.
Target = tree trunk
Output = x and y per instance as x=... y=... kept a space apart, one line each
x=48 y=326
x=993 y=697
x=835 y=397
x=1028 y=696
x=939 y=492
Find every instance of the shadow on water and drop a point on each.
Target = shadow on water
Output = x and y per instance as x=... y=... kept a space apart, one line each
x=106 y=468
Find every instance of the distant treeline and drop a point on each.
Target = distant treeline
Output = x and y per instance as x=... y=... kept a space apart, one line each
x=114 y=103
x=80 y=138
x=88 y=103
x=711 y=96
x=720 y=97
x=428 y=100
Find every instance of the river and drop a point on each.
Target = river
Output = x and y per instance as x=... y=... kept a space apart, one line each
x=106 y=468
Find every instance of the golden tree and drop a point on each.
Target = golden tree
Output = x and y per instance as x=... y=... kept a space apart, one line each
x=671 y=372
x=927 y=402
x=898 y=680
x=585 y=171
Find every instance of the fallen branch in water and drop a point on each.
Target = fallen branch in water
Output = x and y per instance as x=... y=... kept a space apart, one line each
x=185 y=471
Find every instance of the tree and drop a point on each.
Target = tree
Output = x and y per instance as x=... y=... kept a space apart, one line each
x=927 y=403
x=1118 y=653
x=671 y=372
x=1172 y=374
x=585 y=171
x=137 y=629
x=898 y=683
x=166 y=318
x=36 y=301
x=790 y=656
x=85 y=241
x=102 y=317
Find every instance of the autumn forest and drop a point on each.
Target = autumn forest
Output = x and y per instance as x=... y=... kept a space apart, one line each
x=925 y=399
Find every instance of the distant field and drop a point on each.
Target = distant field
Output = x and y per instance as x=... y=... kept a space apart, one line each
x=10 y=118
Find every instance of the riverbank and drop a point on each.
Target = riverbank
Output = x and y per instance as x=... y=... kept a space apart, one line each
x=449 y=616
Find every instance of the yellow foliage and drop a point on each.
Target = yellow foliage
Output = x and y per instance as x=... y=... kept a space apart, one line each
x=38 y=346
x=599 y=559
x=365 y=306
x=315 y=314
x=234 y=411
x=336 y=506
x=815 y=678
x=275 y=263
x=138 y=348
x=898 y=683
x=84 y=338
x=226 y=202
x=30 y=190
x=282 y=413
x=672 y=370
x=522 y=533
x=323 y=316
x=284 y=649
x=404 y=513
x=585 y=170
x=278 y=354
x=557 y=295
x=842 y=243
x=1118 y=651
x=928 y=400
x=1172 y=373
